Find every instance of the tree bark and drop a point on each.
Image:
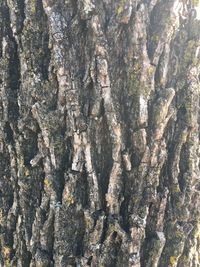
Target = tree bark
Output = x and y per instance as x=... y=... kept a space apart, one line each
x=99 y=133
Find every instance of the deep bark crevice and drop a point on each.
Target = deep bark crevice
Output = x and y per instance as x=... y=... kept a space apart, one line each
x=99 y=133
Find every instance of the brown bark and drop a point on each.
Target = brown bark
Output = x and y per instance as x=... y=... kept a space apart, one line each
x=99 y=140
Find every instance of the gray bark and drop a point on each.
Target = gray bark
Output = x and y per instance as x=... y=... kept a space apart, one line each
x=99 y=133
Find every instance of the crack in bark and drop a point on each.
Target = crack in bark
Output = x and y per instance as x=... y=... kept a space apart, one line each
x=99 y=139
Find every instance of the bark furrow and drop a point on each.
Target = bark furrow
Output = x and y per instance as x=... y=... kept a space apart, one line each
x=99 y=133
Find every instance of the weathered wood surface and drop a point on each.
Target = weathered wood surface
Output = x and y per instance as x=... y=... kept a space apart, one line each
x=99 y=133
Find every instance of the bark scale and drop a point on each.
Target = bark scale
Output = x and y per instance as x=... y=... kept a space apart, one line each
x=99 y=133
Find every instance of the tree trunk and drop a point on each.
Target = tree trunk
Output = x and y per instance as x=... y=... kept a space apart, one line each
x=99 y=133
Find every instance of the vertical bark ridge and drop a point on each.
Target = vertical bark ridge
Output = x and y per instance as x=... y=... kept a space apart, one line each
x=99 y=140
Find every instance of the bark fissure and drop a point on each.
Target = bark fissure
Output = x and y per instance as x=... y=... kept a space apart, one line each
x=99 y=133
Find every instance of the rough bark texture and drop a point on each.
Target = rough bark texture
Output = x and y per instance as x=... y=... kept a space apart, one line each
x=99 y=133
